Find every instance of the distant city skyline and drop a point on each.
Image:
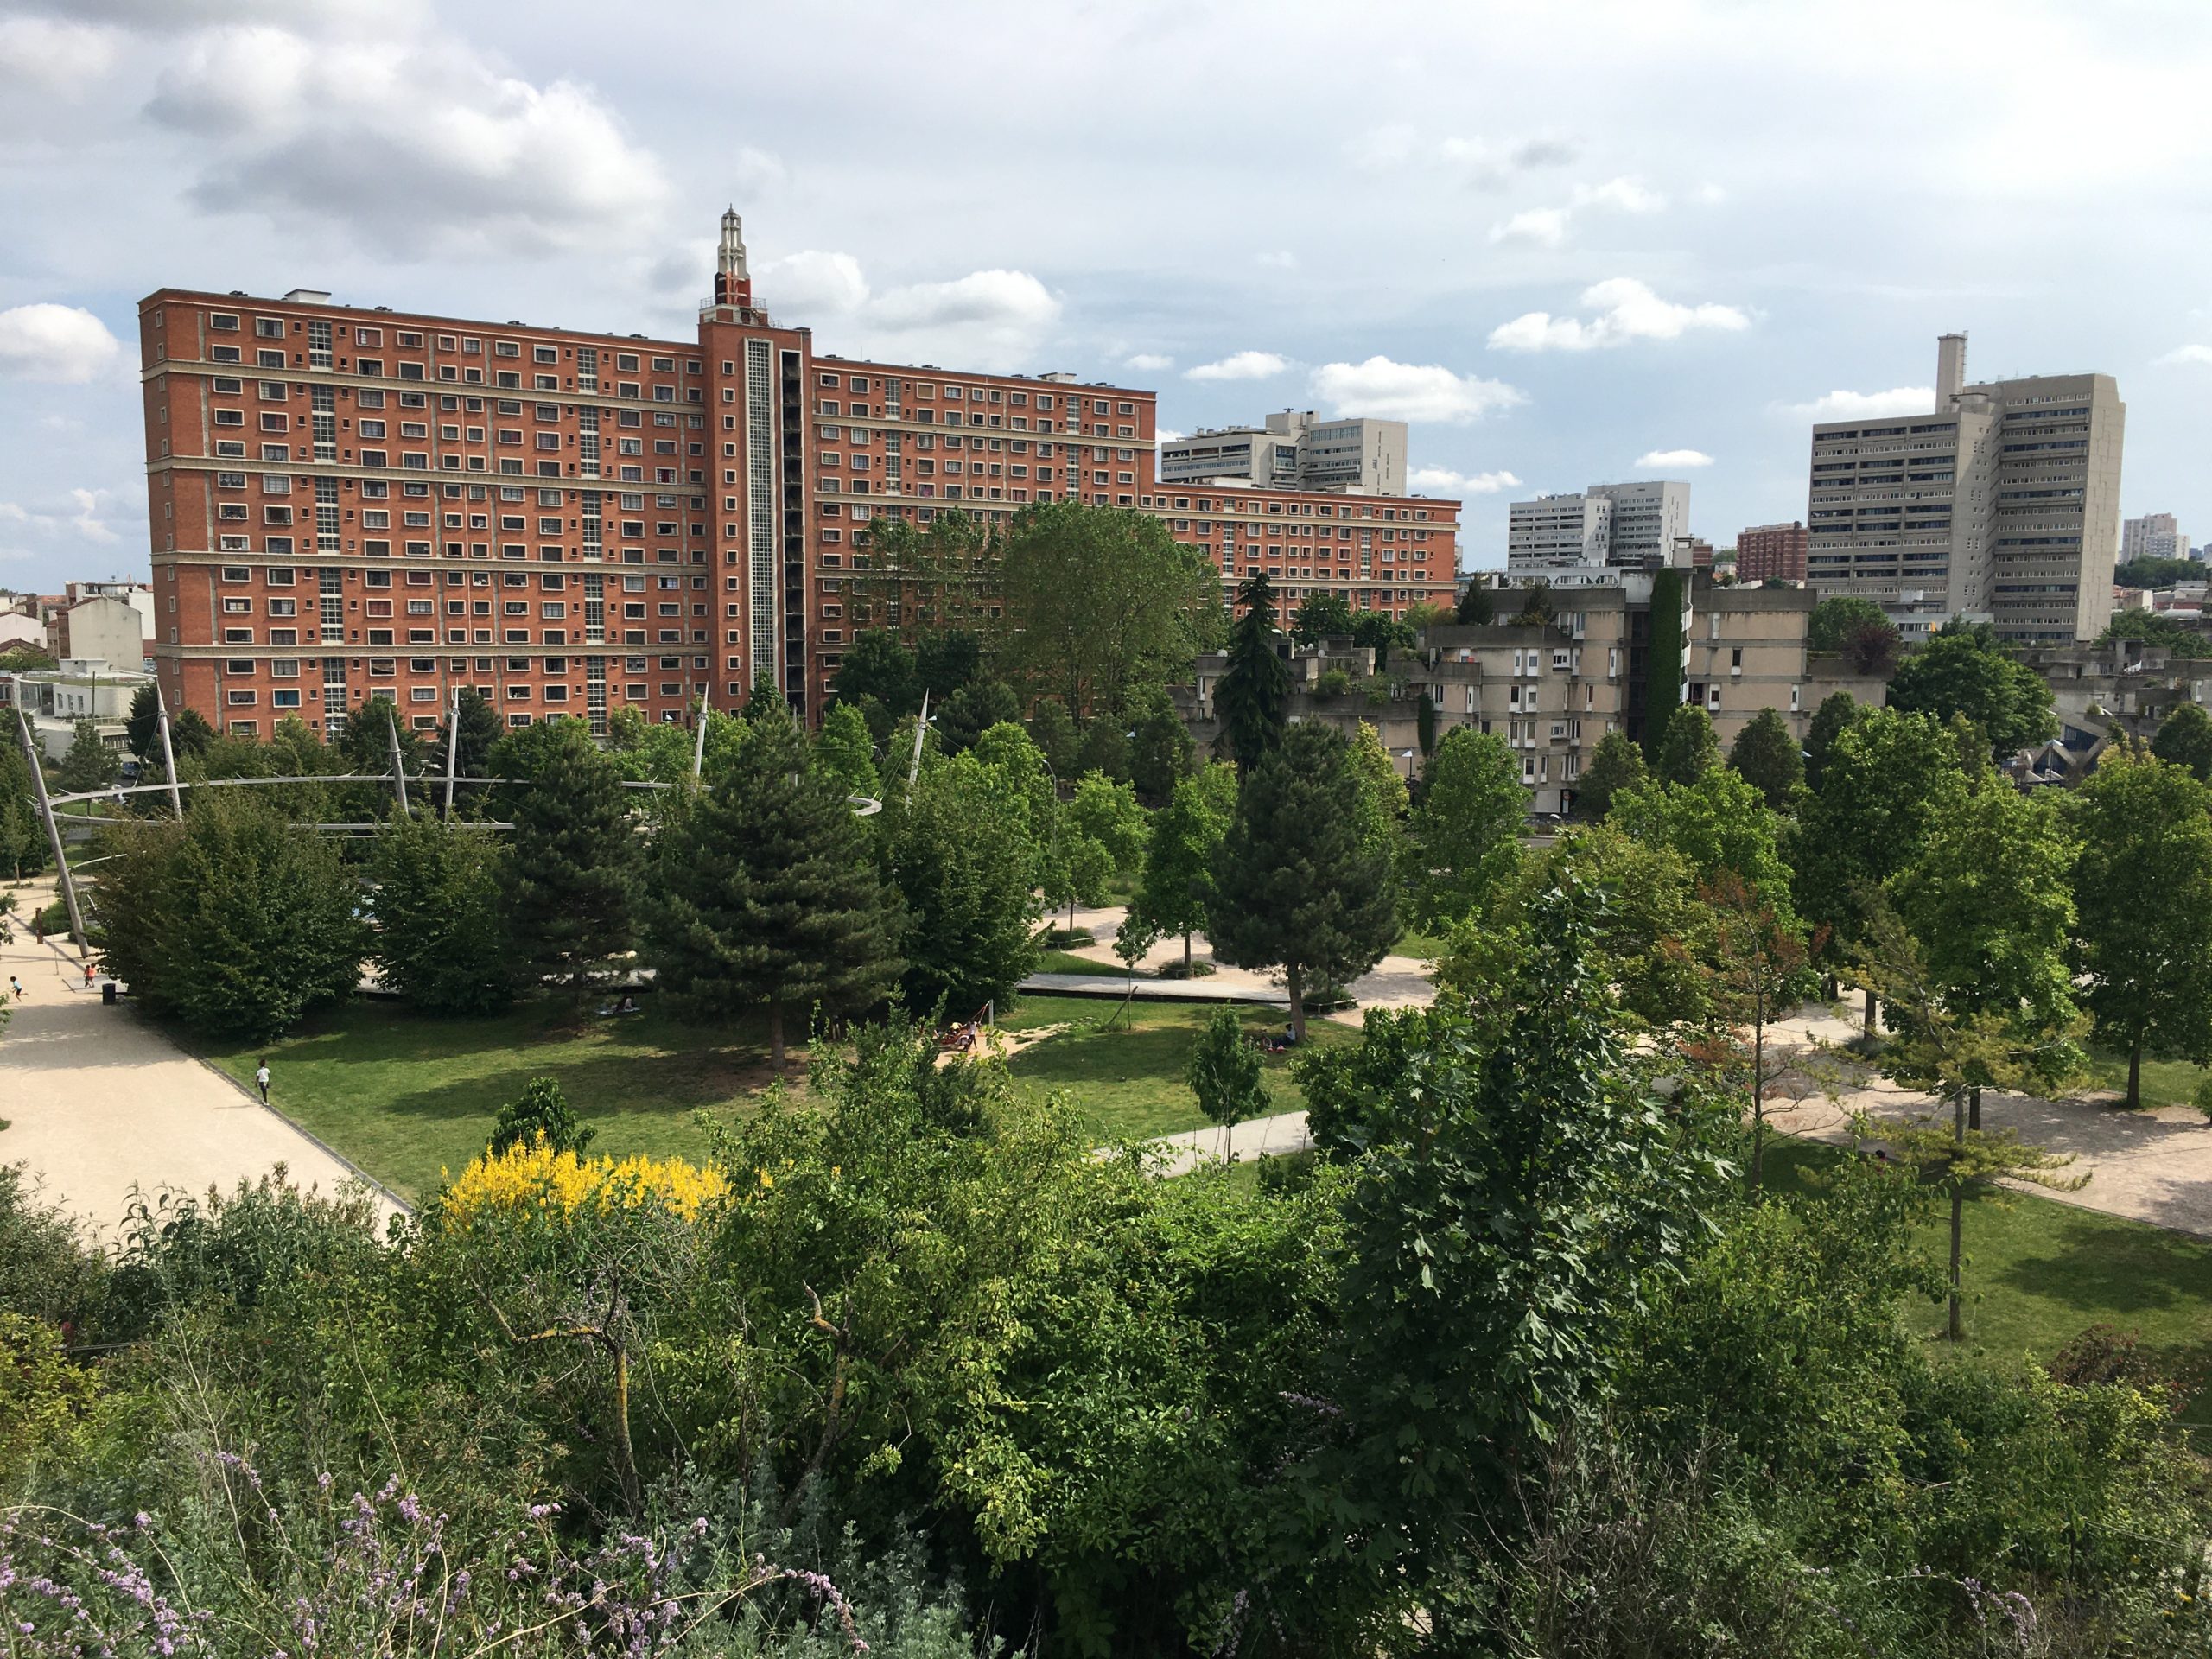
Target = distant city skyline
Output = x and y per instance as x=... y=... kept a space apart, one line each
x=1616 y=286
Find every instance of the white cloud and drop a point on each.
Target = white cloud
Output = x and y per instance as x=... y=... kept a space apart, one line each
x=1280 y=259
x=414 y=140
x=1710 y=195
x=52 y=53
x=1673 y=459
x=79 y=517
x=1438 y=481
x=995 y=318
x=1240 y=366
x=1627 y=309
x=1409 y=391
x=2188 y=354
x=1545 y=226
x=1864 y=405
x=1152 y=362
x=55 y=342
x=1167 y=434
x=1628 y=195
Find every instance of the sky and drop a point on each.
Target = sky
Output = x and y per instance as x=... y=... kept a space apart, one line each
x=1570 y=242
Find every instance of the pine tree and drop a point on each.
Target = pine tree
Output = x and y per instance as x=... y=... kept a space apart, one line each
x=573 y=858
x=1464 y=840
x=1252 y=697
x=1616 y=765
x=1296 y=885
x=1769 y=758
x=1054 y=731
x=90 y=764
x=441 y=937
x=480 y=733
x=143 y=726
x=764 y=892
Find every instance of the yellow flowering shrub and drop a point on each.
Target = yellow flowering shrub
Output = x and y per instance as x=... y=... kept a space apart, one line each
x=535 y=1177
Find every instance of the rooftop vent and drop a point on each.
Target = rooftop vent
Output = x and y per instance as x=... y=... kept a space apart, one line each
x=308 y=296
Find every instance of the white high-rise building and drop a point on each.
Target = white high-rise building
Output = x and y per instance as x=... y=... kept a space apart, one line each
x=2001 y=504
x=1294 y=450
x=2154 y=536
x=1606 y=527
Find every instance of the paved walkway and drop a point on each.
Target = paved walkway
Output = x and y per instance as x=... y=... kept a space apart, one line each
x=98 y=1102
x=1259 y=1137
x=1394 y=983
x=2152 y=1166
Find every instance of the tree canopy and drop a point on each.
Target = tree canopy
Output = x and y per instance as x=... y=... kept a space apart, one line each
x=1101 y=602
x=1962 y=669
x=1252 y=697
x=1767 y=756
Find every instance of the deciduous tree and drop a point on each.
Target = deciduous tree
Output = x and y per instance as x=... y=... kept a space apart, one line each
x=1224 y=1074
x=1101 y=601
x=1767 y=756
x=1963 y=669
x=1320 y=615
x=1179 y=854
x=960 y=854
x=90 y=764
x=440 y=937
x=1616 y=765
x=1463 y=842
x=2143 y=889
x=1160 y=747
x=1689 y=749
x=2185 y=738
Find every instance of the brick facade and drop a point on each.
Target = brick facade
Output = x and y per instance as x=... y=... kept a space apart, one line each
x=349 y=505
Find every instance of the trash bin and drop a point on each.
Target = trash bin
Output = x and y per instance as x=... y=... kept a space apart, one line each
x=107 y=993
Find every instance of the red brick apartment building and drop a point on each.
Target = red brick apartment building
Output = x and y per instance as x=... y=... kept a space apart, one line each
x=1765 y=551
x=350 y=505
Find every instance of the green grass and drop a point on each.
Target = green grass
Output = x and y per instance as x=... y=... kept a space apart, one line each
x=2165 y=1083
x=1129 y=1081
x=2038 y=1273
x=1067 y=962
x=1423 y=947
x=403 y=1094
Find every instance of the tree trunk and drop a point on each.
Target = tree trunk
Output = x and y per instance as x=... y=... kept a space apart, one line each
x=1291 y=977
x=1187 y=953
x=2135 y=1072
x=1974 y=1106
x=776 y=1034
x=1957 y=1333
x=1758 y=1103
x=1870 y=1013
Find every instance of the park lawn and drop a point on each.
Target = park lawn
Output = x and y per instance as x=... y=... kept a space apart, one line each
x=1127 y=1081
x=405 y=1095
x=2038 y=1272
x=2165 y=1083
x=1067 y=962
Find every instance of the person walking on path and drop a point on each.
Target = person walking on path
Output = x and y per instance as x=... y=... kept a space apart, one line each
x=261 y=1081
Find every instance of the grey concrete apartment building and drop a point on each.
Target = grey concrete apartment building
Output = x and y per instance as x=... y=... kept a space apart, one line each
x=2001 y=504
x=1293 y=450
x=1606 y=527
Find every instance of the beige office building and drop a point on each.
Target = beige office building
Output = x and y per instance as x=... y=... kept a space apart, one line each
x=2002 y=503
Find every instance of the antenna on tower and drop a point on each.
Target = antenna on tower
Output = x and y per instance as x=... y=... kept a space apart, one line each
x=732 y=282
